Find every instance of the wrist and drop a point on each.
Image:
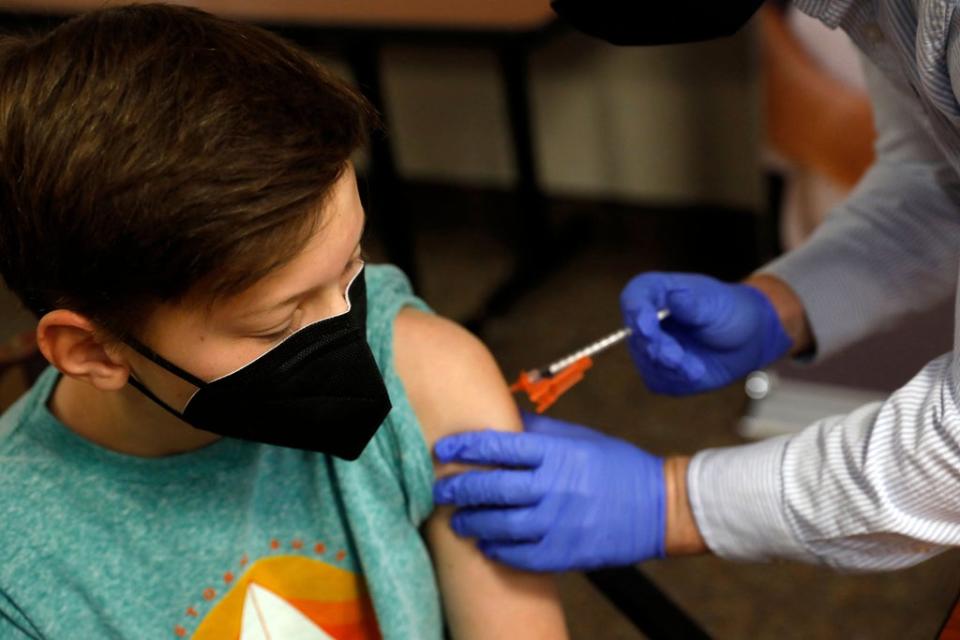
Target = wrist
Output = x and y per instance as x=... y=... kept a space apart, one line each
x=682 y=536
x=789 y=309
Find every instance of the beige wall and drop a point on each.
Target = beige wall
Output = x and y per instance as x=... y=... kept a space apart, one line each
x=670 y=124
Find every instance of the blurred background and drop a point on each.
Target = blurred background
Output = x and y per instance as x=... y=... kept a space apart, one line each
x=527 y=172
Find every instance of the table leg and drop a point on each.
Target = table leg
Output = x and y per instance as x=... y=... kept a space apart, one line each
x=537 y=250
x=388 y=212
x=650 y=610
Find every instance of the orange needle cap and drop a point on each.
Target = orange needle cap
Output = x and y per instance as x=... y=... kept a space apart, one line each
x=543 y=392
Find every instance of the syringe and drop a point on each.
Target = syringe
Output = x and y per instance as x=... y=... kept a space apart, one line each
x=545 y=385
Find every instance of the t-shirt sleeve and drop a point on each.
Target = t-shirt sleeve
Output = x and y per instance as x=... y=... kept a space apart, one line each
x=389 y=291
x=14 y=625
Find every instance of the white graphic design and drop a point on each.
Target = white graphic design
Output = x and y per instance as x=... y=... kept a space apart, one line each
x=267 y=616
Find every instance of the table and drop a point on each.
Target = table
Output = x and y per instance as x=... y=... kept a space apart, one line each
x=442 y=15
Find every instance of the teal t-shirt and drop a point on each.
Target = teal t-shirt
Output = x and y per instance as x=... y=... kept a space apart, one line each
x=235 y=540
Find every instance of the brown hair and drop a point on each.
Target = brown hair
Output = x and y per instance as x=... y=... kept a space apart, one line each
x=151 y=151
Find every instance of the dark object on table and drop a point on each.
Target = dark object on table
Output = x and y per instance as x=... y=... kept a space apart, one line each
x=641 y=23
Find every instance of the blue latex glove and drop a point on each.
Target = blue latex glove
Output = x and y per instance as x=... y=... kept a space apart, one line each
x=571 y=499
x=716 y=332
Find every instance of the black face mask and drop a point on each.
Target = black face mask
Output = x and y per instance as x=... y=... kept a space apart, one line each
x=319 y=389
x=636 y=22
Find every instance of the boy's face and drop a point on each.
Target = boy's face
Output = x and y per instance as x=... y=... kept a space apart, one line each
x=236 y=330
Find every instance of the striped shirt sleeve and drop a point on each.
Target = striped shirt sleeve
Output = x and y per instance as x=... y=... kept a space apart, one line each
x=878 y=489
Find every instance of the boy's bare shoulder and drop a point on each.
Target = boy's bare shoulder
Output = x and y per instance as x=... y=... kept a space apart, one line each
x=451 y=378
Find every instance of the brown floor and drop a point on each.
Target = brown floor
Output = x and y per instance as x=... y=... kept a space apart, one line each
x=462 y=257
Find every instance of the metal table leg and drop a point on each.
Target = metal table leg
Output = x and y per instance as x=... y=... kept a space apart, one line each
x=388 y=213
x=640 y=600
x=536 y=246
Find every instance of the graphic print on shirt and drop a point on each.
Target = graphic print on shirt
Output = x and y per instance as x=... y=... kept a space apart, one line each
x=291 y=598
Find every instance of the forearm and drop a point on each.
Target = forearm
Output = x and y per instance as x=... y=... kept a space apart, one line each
x=682 y=537
x=789 y=309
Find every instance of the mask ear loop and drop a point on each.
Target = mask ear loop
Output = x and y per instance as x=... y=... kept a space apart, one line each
x=168 y=366
x=159 y=360
x=139 y=386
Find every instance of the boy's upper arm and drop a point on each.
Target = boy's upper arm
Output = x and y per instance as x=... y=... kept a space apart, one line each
x=455 y=385
x=451 y=379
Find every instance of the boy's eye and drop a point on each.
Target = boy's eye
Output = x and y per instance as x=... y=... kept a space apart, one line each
x=295 y=320
x=298 y=314
x=273 y=337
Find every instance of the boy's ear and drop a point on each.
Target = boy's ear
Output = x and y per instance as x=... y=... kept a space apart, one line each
x=68 y=341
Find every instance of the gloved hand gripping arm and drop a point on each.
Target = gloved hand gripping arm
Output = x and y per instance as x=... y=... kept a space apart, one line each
x=569 y=498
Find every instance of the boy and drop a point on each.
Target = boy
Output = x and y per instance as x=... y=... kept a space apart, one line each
x=178 y=207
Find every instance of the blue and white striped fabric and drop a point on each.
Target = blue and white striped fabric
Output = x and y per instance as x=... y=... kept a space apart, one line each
x=877 y=489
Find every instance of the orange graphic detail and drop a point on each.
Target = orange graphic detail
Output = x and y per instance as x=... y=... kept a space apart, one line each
x=274 y=544
x=297 y=544
x=320 y=548
x=192 y=612
x=228 y=577
x=341 y=555
x=209 y=594
x=292 y=592
x=180 y=631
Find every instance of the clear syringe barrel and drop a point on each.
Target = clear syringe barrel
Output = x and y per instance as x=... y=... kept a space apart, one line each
x=594 y=348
